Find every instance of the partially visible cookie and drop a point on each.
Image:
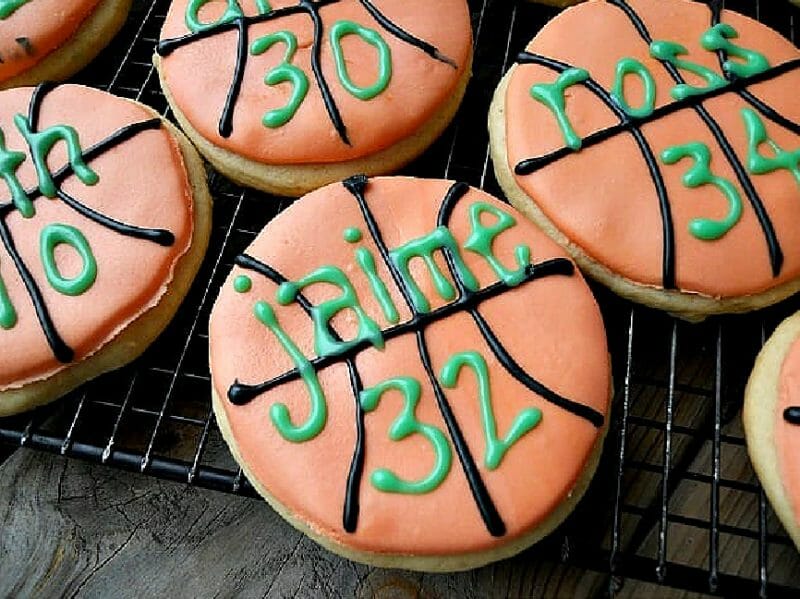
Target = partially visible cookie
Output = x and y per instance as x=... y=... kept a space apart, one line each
x=49 y=40
x=103 y=224
x=288 y=96
x=772 y=422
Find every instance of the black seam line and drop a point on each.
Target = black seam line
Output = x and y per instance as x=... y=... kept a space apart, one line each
x=668 y=229
x=225 y=125
x=35 y=103
x=792 y=414
x=511 y=366
x=775 y=253
x=351 y=504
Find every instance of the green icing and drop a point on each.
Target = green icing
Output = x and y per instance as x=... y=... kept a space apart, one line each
x=8 y=315
x=263 y=6
x=352 y=235
x=367 y=263
x=284 y=72
x=279 y=413
x=232 y=12
x=9 y=7
x=717 y=38
x=372 y=37
x=404 y=426
x=631 y=66
x=698 y=175
x=324 y=342
x=669 y=52
x=54 y=235
x=9 y=163
x=552 y=96
x=242 y=284
x=482 y=237
x=757 y=163
x=424 y=247
x=40 y=144
x=525 y=421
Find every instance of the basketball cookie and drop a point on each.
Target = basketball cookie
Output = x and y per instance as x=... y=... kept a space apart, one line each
x=772 y=422
x=44 y=40
x=104 y=225
x=289 y=95
x=658 y=141
x=422 y=385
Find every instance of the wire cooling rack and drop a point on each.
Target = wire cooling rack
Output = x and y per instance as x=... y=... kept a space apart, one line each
x=674 y=501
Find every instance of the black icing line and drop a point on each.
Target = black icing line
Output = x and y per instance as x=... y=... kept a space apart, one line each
x=792 y=414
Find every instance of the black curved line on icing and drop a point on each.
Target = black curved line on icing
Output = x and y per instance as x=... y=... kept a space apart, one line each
x=160 y=237
x=404 y=35
x=792 y=414
x=351 y=502
x=226 y=118
x=667 y=226
x=35 y=103
x=455 y=193
x=775 y=252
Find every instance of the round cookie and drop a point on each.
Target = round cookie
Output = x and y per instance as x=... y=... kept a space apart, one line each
x=358 y=411
x=772 y=422
x=658 y=141
x=104 y=225
x=286 y=96
x=50 y=40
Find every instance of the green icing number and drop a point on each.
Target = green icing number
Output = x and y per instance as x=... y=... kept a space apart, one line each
x=9 y=7
x=279 y=413
x=342 y=28
x=552 y=96
x=324 y=342
x=669 y=52
x=631 y=66
x=55 y=235
x=482 y=237
x=8 y=315
x=232 y=12
x=9 y=163
x=757 y=163
x=404 y=426
x=525 y=421
x=698 y=175
x=717 y=38
x=284 y=72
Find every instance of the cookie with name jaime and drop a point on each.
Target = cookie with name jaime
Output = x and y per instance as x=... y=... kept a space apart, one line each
x=422 y=383
x=103 y=224
x=49 y=40
x=658 y=141
x=289 y=95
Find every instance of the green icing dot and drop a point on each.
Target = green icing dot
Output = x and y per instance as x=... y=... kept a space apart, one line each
x=352 y=235
x=242 y=284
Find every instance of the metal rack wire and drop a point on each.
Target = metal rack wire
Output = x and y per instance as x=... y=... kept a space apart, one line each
x=674 y=501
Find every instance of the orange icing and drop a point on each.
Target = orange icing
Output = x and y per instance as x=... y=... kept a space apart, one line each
x=551 y=326
x=47 y=25
x=787 y=439
x=612 y=213
x=199 y=75
x=142 y=182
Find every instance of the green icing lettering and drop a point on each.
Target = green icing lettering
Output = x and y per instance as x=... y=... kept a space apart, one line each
x=9 y=163
x=717 y=38
x=552 y=96
x=54 y=235
x=232 y=12
x=40 y=144
x=482 y=237
x=342 y=28
x=324 y=342
x=8 y=315
x=367 y=263
x=283 y=73
x=525 y=421
x=698 y=175
x=279 y=413
x=757 y=163
x=404 y=426
x=424 y=247
x=263 y=6
x=9 y=7
x=631 y=66
x=352 y=235
x=669 y=52
x=242 y=284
